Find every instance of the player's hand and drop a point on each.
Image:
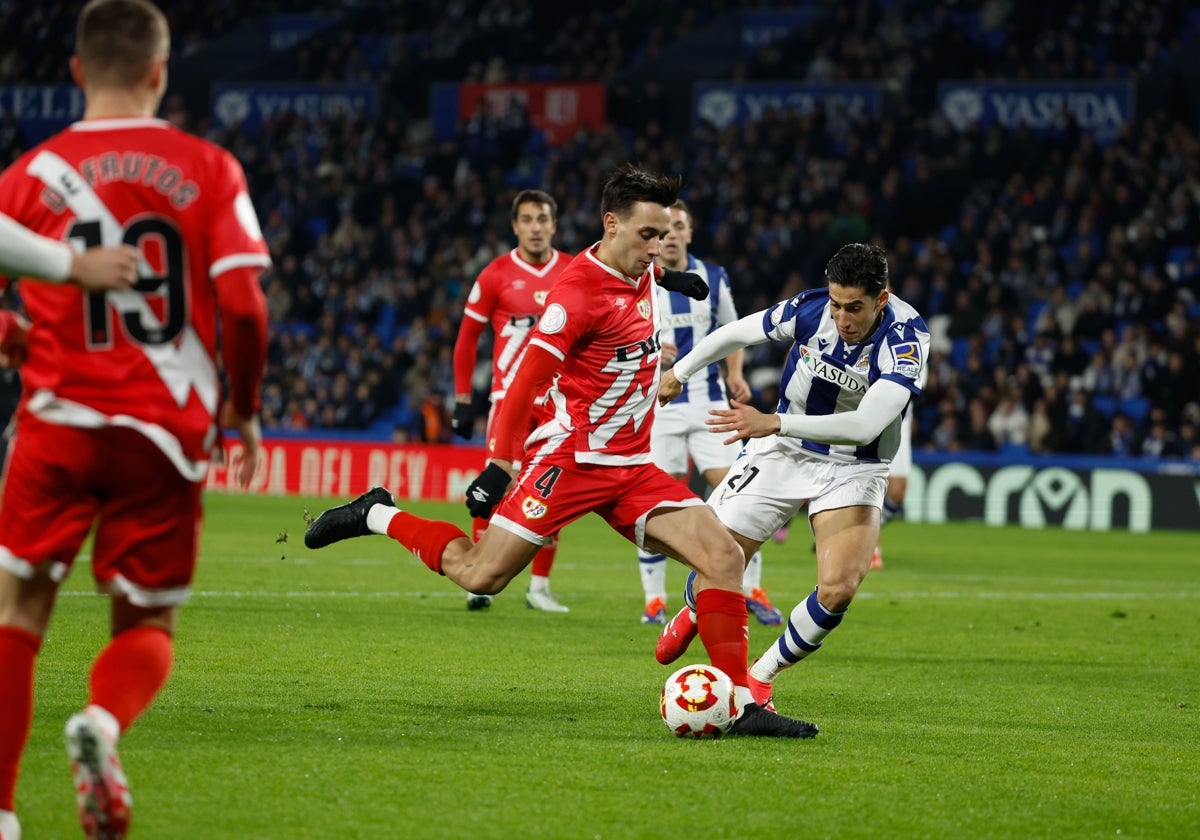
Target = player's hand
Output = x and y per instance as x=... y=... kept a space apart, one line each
x=14 y=339
x=463 y=421
x=743 y=420
x=667 y=354
x=668 y=387
x=739 y=388
x=486 y=491
x=251 y=433
x=105 y=269
x=690 y=284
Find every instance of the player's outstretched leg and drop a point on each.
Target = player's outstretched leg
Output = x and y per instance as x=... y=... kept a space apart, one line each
x=757 y=721
x=345 y=521
x=101 y=791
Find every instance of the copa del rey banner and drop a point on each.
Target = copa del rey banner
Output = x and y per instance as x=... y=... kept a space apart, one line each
x=343 y=469
x=559 y=109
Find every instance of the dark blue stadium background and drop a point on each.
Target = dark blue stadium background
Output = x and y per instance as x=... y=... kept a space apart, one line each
x=1058 y=266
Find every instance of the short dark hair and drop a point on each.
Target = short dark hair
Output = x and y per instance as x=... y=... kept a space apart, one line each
x=628 y=185
x=680 y=204
x=859 y=265
x=116 y=40
x=534 y=197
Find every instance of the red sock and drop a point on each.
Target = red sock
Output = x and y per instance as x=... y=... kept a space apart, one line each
x=129 y=672
x=426 y=538
x=544 y=559
x=18 y=650
x=724 y=630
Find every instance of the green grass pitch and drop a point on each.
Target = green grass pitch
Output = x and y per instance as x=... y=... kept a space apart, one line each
x=986 y=683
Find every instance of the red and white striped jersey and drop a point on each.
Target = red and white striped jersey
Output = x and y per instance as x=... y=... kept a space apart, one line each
x=510 y=294
x=602 y=326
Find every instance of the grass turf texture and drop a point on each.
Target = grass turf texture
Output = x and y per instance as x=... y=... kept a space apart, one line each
x=986 y=683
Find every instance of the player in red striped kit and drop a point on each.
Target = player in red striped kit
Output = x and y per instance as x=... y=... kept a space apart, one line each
x=598 y=337
x=510 y=294
x=121 y=407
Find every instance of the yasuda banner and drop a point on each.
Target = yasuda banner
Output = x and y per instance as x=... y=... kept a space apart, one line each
x=1100 y=108
x=723 y=104
x=251 y=105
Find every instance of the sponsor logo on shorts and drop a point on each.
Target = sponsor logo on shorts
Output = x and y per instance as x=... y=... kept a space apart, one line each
x=533 y=508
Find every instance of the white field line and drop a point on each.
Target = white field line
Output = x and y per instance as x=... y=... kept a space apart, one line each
x=938 y=596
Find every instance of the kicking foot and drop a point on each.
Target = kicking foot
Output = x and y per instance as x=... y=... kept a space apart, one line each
x=755 y=720
x=345 y=521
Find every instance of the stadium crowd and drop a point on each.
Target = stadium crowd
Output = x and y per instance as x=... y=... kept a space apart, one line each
x=1060 y=277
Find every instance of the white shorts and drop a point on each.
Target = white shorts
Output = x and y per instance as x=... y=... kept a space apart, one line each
x=679 y=430
x=902 y=463
x=769 y=485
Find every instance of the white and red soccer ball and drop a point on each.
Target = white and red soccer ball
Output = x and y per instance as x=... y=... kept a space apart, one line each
x=698 y=702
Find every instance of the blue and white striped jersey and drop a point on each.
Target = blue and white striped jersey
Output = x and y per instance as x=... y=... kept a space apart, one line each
x=684 y=321
x=824 y=375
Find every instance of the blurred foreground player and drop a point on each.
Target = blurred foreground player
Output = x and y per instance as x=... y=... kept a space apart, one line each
x=119 y=414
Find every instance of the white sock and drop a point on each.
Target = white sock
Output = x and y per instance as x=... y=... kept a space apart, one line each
x=653 y=568
x=807 y=626
x=539 y=583
x=379 y=517
x=752 y=577
x=742 y=697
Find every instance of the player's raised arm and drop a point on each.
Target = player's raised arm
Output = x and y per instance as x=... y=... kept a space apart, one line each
x=745 y=332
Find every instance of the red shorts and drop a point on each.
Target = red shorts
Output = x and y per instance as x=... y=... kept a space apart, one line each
x=60 y=479
x=554 y=491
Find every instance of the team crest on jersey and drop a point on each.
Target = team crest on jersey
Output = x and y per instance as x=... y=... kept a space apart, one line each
x=533 y=508
x=539 y=297
x=906 y=357
x=643 y=307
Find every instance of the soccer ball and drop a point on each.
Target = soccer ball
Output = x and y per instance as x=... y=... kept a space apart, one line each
x=698 y=702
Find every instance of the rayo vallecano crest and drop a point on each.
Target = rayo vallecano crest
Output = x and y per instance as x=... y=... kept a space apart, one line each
x=643 y=308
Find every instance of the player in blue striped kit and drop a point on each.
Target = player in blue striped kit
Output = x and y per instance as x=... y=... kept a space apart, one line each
x=679 y=429
x=858 y=355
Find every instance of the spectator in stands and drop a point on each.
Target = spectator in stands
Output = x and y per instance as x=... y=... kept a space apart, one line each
x=1009 y=422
